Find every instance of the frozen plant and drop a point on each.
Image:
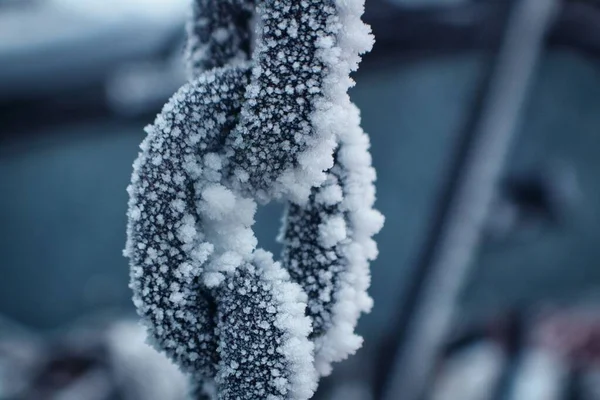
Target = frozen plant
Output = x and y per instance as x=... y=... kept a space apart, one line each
x=265 y=116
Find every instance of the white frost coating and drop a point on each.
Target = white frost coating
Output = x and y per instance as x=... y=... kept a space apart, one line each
x=195 y=227
x=290 y=123
x=333 y=265
x=292 y=319
x=351 y=298
x=218 y=201
x=332 y=231
x=170 y=243
x=264 y=348
x=246 y=129
x=219 y=34
x=330 y=195
x=341 y=56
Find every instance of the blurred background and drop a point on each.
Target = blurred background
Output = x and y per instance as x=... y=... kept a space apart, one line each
x=515 y=83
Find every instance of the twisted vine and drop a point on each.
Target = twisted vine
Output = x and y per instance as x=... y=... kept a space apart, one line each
x=252 y=125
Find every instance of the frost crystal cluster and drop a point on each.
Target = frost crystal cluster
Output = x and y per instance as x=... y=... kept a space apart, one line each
x=265 y=116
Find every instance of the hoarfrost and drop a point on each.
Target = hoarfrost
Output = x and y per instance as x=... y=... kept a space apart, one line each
x=265 y=116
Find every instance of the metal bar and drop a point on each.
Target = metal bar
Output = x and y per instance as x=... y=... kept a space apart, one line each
x=456 y=233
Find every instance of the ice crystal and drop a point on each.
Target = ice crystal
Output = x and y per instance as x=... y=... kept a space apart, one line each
x=265 y=116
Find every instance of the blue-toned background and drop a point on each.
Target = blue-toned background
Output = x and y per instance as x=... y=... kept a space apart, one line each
x=67 y=145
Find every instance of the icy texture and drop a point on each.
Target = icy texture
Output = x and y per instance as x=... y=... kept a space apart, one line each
x=277 y=147
x=256 y=126
x=327 y=241
x=263 y=333
x=219 y=34
x=189 y=236
x=167 y=251
x=328 y=246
